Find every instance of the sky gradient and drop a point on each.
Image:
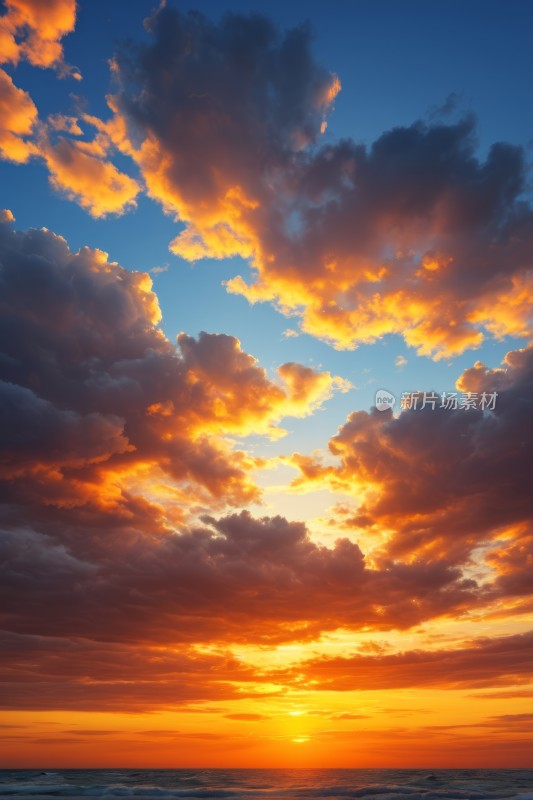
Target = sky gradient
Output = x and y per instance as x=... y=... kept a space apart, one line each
x=225 y=229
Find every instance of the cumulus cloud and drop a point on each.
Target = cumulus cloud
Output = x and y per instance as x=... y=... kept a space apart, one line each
x=57 y=436
x=257 y=401
x=96 y=395
x=414 y=235
x=233 y=101
x=250 y=580
x=443 y=484
x=110 y=426
x=79 y=170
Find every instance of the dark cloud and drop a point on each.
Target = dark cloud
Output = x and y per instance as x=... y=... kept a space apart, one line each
x=118 y=568
x=41 y=672
x=444 y=482
x=248 y=579
x=220 y=103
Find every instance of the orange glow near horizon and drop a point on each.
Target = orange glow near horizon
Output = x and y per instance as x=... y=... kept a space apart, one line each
x=381 y=729
x=286 y=720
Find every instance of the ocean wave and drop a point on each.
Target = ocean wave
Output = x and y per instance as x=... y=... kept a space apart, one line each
x=268 y=785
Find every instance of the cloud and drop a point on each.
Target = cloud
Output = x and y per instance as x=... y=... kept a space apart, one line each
x=57 y=437
x=82 y=171
x=102 y=406
x=64 y=122
x=402 y=238
x=348 y=715
x=32 y=31
x=246 y=579
x=45 y=673
x=96 y=184
x=115 y=442
x=18 y=116
x=483 y=662
x=231 y=97
x=158 y=269
x=299 y=392
x=505 y=694
x=78 y=169
x=224 y=121
x=120 y=464
x=430 y=482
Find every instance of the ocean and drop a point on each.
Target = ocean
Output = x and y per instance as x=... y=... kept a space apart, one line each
x=272 y=784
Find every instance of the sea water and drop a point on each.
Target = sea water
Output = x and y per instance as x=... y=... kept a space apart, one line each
x=272 y=784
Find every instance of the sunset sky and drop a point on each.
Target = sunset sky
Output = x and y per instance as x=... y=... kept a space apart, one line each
x=225 y=227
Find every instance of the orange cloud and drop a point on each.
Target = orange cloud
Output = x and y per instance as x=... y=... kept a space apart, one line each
x=97 y=185
x=253 y=403
x=18 y=117
x=123 y=568
x=32 y=30
x=239 y=579
x=108 y=426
